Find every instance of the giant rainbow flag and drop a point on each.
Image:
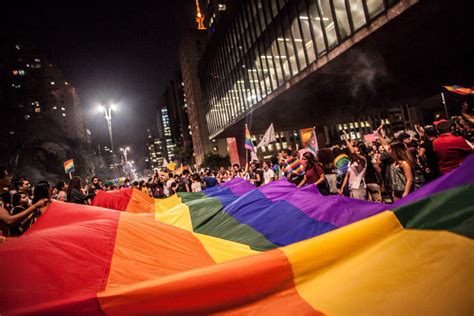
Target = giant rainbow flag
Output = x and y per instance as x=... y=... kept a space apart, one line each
x=413 y=257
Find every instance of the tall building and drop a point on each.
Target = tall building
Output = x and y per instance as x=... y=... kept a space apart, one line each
x=176 y=102
x=35 y=89
x=39 y=106
x=190 y=50
x=332 y=64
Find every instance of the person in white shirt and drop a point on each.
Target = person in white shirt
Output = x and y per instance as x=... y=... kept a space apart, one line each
x=169 y=183
x=196 y=186
x=268 y=174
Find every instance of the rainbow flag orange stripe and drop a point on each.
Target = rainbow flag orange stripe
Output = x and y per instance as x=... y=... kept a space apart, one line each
x=248 y=140
x=460 y=90
x=414 y=259
x=69 y=166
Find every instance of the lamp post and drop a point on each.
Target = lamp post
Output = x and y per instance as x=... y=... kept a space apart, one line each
x=125 y=151
x=108 y=117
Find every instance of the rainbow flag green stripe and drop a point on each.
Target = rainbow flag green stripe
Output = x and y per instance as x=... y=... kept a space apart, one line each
x=451 y=210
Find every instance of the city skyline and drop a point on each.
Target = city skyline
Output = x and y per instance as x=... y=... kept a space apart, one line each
x=110 y=54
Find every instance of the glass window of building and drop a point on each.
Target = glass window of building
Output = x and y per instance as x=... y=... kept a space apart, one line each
x=325 y=14
x=342 y=18
x=272 y=63
x=277 y=61
x=374 y=7
x=314 y=21
x=274 y=7
x=291 y=54
x=357 y=13
x=307 y=36
x=299 y=40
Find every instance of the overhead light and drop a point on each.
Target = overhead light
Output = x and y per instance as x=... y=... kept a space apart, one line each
x=281 y=39
x=303 y=17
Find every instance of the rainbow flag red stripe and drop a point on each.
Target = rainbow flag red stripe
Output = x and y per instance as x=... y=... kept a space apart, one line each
x=460 y=90
x=413 y=260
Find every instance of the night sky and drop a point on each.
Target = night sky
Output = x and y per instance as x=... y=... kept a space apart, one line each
x=109 y=52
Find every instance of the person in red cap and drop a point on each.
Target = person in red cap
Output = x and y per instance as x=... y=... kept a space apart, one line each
x=451 y=150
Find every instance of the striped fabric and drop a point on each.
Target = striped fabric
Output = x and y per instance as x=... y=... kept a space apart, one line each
x=413 y=260
x=460 y=90
x=248 y=140
x=293 y=167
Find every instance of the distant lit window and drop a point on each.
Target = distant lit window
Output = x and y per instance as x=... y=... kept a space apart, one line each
x=37 y=60
x=28 y=65
x=21 y=72
x=64 y=114
x=37 y=110
x=221 y=7
x=55 y=107
x=15 y=72
x=52 y=83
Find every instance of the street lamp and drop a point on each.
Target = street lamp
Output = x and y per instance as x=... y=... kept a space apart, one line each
x=108 y=117
x=125 y=151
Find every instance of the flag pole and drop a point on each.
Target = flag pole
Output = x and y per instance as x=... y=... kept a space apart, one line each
x=246 y=150
x=444 y=103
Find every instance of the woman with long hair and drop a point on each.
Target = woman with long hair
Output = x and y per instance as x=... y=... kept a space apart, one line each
x=401 y=171
x=75 y=193
x=314 y=174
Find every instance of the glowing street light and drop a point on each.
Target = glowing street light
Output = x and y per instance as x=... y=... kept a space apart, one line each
x=125 y=151
x=107 y=111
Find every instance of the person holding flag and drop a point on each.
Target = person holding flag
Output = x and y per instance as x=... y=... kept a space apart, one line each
x=249 y=146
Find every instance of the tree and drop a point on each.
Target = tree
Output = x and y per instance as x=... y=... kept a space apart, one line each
x=215 y=161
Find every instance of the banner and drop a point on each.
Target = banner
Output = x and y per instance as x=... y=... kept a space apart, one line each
x=313 y=143
x=233 y=151
x=369 y=138
x=69 y=166
x=268 y=138
x=305 y=135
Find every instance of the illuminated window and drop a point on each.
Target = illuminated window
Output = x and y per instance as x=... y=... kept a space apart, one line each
x=221 y=7
x=52 y=83
x=15 y=72
x=37 y=110
x=37 y=60
x=21 y=72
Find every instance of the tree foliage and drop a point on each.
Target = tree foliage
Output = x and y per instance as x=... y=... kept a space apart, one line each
x=215 y=161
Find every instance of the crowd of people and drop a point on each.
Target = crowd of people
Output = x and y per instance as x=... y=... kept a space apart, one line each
x=384 y=170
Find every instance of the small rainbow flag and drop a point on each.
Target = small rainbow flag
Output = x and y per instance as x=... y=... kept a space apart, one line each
x=69 y=166
x=248 y=140
x=460 y=90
